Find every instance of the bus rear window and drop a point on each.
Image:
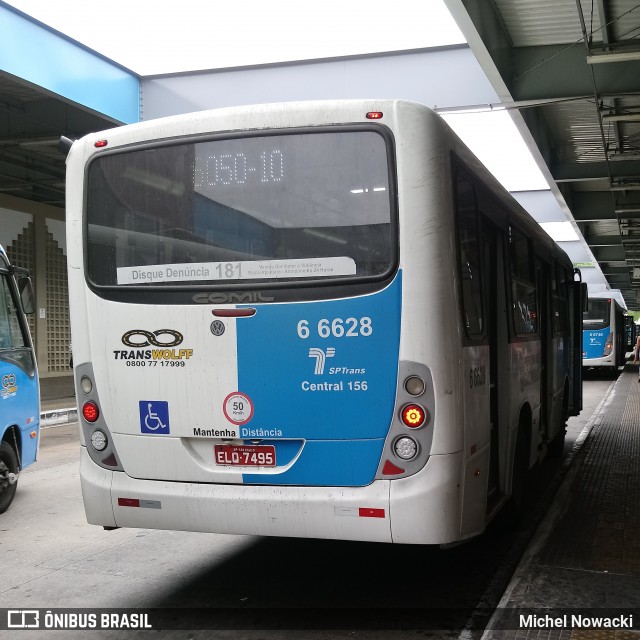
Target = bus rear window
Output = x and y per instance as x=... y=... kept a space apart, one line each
x=267 y=209
x=597 y=317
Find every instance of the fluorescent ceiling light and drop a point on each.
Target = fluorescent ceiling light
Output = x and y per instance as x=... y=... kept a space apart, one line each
x=495 y=140
x=560 y=231
x=622 y=117
x=625 y=186
x=619 y=56
x=176 y=37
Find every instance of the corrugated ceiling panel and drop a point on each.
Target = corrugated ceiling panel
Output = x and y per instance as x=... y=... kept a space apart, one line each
x=623 y=19
x=576 y=125
x=546 y=22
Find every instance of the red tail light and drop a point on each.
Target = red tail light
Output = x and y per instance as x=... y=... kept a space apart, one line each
x=90 y=411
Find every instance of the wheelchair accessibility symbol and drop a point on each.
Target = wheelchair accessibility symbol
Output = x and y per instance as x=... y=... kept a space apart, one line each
x=154 y=416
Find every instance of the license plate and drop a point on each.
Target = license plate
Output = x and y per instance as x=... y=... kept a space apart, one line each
x=245 y=455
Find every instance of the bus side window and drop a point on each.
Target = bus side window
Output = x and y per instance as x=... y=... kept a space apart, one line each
x=10 y=331
x=523 y=291
x=470 y=281
x=560 y=303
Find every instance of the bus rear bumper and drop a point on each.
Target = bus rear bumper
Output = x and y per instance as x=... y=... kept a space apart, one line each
x=598 y=362
x=113 y=499
x=423 y=510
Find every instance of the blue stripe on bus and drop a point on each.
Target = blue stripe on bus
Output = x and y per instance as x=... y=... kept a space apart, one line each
x=324 y=372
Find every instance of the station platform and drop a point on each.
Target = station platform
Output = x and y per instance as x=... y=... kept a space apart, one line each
x=581 y=570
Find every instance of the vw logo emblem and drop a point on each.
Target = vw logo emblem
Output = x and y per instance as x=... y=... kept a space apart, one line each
x=217 y=327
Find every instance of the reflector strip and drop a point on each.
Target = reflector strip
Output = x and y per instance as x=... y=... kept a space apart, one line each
x=370 y=513
x=110 y=461
x=144 y=504
x=359 y=512
x=128 y=502
x=391 y=469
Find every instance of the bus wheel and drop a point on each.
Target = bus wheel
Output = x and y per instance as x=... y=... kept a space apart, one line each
x=8 y=465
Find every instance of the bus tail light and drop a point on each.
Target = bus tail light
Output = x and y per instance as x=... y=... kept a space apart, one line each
x=608 y=345
x=408 y=443
x=95 y=437
x=414 y=386
x=99 y=440
x=405 y=448
x=374 y=115
x=90 y=411
x=86 y=385
x=413 y=416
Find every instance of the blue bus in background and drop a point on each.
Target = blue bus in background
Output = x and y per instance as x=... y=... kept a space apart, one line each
x=604 y=336
x=19 y=390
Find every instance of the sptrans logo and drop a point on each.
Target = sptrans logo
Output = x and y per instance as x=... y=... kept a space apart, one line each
x=320 y=357
x=162 y=343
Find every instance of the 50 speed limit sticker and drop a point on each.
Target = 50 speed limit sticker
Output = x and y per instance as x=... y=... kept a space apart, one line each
x=238 y=408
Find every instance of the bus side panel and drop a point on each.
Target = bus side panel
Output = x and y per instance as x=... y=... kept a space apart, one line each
x=19 y=406
x=476 y=392
x=561 y=364
x=524 y=398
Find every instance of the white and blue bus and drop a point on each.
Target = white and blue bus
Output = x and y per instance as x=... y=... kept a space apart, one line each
x=604 y=334
x=20 y=391
x=321 y=320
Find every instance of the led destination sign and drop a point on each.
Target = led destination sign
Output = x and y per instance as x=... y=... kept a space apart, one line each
x=239 y=168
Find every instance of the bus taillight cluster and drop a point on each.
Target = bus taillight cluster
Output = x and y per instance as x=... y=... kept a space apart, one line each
x=414 y=416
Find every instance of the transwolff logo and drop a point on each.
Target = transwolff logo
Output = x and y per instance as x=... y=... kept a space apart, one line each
x=164 y=341
x=141 y=338
x=321 y=358
x=231 y=298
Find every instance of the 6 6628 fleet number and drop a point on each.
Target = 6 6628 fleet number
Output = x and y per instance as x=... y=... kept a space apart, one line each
x=337 y=328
